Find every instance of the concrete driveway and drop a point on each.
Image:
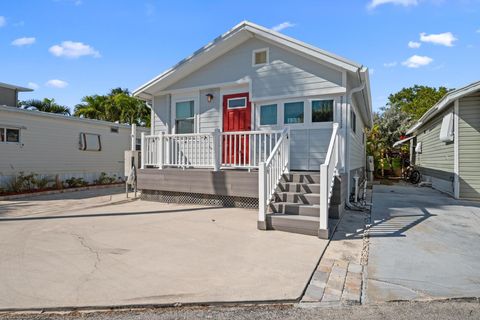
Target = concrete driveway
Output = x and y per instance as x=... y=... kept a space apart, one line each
x=147 y=253
x=423 y=245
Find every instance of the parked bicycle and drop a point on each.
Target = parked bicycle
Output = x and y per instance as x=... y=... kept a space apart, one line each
x=411 y=174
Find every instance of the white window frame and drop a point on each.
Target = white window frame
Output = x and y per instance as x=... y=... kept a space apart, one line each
x=192 y=96
x=5 y=128
x=307 y=110
x=234 y=108
x=260 y=115
x=267 y=60
x=311 y=109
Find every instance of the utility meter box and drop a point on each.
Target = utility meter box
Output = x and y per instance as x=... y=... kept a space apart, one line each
x=132 y=158
x=370 y=164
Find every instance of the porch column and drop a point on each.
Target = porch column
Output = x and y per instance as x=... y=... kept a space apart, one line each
x=217 y=149
x=143 y=153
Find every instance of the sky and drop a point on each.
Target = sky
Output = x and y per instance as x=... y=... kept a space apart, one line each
x=67 y=49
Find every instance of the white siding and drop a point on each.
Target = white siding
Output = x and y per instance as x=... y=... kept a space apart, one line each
x=8 y=97
x=50 y=146
x=309 y=148
x=286 y=74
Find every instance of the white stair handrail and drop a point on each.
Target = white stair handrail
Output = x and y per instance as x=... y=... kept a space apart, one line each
x=270 y=173
x=327 y=178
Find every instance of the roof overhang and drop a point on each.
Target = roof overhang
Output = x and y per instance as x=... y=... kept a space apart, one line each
x=14 y=87
x=227 y=41
x=400 y=142
x=443 y=103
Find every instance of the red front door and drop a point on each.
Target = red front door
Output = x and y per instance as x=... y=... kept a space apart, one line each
x=236 y=117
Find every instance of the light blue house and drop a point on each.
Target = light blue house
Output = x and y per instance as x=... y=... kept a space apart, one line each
x=259 y=119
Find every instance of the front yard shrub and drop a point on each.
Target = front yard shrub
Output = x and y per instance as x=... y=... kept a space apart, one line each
x=22 y=182
x=76 y=182
x=105 y=179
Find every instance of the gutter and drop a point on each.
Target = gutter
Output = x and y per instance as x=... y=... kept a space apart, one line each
x=347 y=134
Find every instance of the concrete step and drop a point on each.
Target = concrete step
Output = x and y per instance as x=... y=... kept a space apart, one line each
x=299 y=187
x=295 y=208
x=294 y=223
x=302 y=177
x=297 y=197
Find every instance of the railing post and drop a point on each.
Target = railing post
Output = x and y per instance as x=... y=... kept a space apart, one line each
x=288 y=150
x=142 y=165
x=324 y=190
x=262 y=197
x=160 y=150
x=217 y=148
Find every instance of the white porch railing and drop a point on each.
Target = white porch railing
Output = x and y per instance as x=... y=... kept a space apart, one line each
x=270 y=173
x=242 y=149
x=328 y=171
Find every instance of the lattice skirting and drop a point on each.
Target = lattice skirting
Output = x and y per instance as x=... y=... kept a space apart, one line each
x=198 y=198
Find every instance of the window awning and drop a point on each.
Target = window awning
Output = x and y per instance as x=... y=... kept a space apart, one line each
x=398 y=143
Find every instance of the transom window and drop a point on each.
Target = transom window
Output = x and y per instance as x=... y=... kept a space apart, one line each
x=322 y=110
x=293 y=112
x=237 y=103
x=268 y=114
x=184 y=117
x=260 y=57
x=9 y=135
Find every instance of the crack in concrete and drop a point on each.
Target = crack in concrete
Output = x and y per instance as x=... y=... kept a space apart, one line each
x=420 y=293
x=84 y=244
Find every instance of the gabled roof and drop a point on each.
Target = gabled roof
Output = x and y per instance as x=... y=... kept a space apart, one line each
x=443 y=103
x=241 y=32
x=14 y=87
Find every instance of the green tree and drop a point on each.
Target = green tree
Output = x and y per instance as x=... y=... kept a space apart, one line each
x=45 y=105
x=116 y=106
x=416 y=100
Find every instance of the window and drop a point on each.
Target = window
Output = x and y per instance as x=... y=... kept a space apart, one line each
x=90 y=142
x=322 y=110
x=353 y=121
x=260 y=57
x=293 y=112
x=237 y=103
x=268 y=114
x=114 y=129
x=184 y=117
x=138 y=144
x=9 y=135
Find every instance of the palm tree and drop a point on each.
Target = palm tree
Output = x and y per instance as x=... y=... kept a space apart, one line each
x=117 y=106
x=45 y=105
x=93 y=107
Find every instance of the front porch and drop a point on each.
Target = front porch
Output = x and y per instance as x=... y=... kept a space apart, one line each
x=247 y=169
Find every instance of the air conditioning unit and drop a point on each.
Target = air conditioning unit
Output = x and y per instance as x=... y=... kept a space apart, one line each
x=446 y=132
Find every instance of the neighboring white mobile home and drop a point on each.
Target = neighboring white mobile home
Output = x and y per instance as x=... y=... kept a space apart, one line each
x=277 y=110
x=51 y=144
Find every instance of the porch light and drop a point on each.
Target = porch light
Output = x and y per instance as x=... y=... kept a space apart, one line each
x=209 y=97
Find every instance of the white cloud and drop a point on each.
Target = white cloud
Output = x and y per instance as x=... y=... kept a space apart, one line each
x=478 y=31
x=25 y=41
x=282 y=26
x=3 y=21
x=375 y=3
x=72 y=49
x=414 y=44
x=371 y=71
x=417 y=61
x=444 y=39
x=390 y=64
x=55 y=83
x=33 y=85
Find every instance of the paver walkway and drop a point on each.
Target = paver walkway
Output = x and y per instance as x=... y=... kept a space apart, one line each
x=338 y=277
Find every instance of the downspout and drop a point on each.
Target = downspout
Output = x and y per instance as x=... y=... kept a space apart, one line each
x=347 y=136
